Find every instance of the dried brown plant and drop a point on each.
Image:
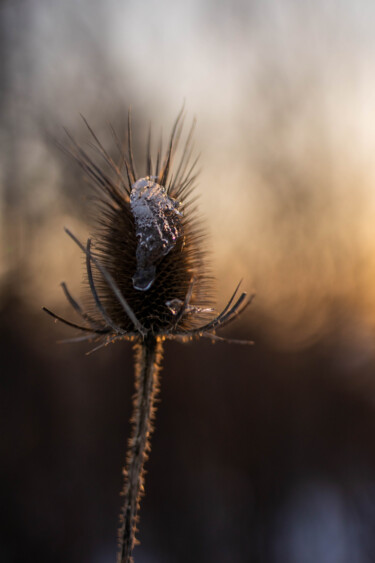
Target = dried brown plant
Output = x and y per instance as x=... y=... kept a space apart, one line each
x=149 y=280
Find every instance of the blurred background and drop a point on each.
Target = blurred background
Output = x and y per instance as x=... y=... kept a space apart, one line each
x=260 y=455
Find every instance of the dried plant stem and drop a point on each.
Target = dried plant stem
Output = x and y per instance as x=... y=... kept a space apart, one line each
x=148 y=354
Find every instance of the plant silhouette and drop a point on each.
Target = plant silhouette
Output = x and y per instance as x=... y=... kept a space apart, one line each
x=149 y=280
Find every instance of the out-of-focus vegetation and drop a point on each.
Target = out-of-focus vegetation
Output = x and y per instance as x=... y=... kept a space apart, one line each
x=261 y=454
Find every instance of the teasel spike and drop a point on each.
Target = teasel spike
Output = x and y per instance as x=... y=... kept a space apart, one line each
x=215 y=338
x=123 y=158
x=163 y=177
x=192 y=202
x=182 y=174
x=175 y=144
x=185 y=304
x=183 y=338
x=226 y=317
x=90 y=168
x=103 y=153
x=186 y=153
x=188 y=186
x=218 y=320
x=232 y=298
x=78 y=308
x=223 y=317
x=189 y=181
x=171 y=182
x=76 y=339
x=148 y=153
x=109 y=280
x=100 y=346
x=69 y=323
x=98 y=302
x=158 y=156
x=134 y=175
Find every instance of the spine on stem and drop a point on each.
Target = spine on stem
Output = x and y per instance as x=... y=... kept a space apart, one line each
x=148 y=355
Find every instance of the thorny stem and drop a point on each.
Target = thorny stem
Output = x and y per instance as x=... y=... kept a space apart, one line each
x=148 y=356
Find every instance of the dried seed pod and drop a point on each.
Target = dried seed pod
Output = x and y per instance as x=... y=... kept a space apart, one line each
x=151 y=244
x=148 y=251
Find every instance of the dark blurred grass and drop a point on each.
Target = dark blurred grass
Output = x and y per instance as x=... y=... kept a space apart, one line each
x=238 y=431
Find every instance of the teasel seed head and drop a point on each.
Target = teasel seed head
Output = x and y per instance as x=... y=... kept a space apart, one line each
x=147 y=267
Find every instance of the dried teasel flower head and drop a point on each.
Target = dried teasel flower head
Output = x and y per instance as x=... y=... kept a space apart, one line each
x=149 y=281
x=147 y=267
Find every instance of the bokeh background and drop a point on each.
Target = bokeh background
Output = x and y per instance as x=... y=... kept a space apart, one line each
x=260 y=455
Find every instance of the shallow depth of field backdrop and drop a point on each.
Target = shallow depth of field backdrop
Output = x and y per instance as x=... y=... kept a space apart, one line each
x=261 y=455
